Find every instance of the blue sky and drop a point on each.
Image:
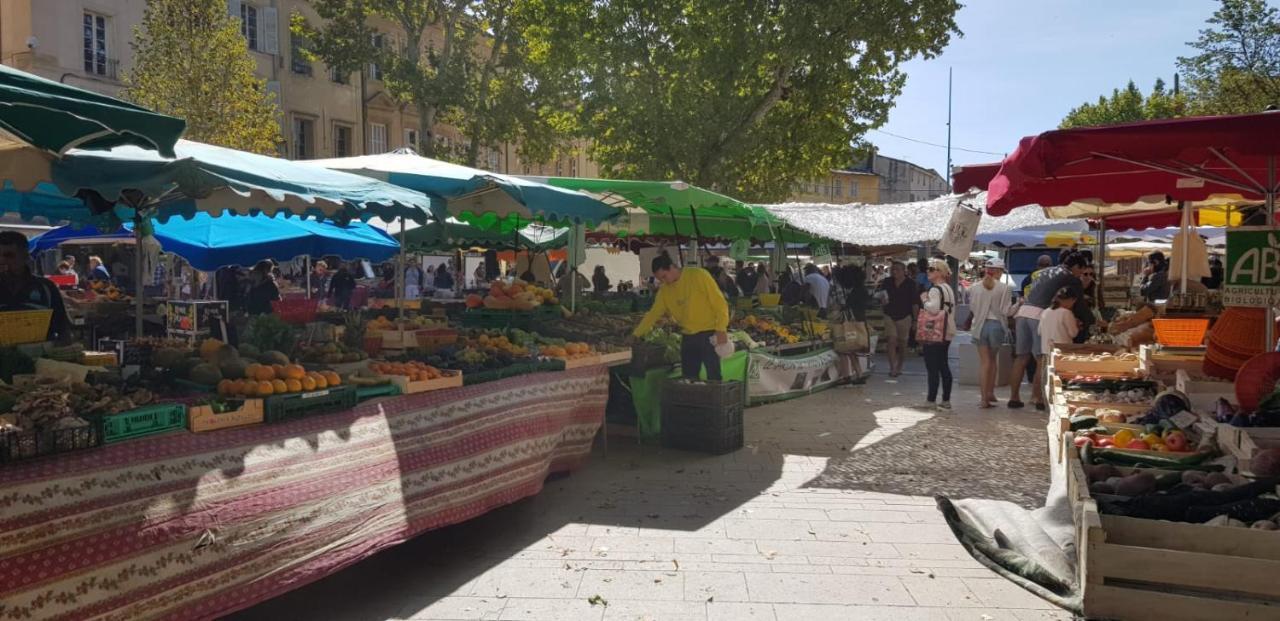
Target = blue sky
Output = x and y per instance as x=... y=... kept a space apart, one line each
x=1021 y=65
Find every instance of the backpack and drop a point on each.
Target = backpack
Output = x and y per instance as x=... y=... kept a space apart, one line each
x=931 y=327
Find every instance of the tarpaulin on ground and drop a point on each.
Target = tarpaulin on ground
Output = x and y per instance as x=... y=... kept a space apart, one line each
x=195 y=526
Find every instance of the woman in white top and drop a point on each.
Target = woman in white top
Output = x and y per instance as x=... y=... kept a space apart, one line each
x=940 y=297
x=991 y=303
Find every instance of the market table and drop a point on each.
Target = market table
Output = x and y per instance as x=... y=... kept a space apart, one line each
x=195 y=526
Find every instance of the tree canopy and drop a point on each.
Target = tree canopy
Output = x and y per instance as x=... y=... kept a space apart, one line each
x=1128 y=105
x=193 y=63
x=741 y=96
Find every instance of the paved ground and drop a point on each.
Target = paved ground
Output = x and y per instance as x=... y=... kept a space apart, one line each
x=827 y=514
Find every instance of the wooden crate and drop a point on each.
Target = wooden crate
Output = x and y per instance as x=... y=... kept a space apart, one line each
x=585 y=361
x=1066 y=367
x=1132 y=569
x=202 y=418
x=1244 y=442
x=1164 y=365
x=616 y=358
x=451 y=379
x=1203 y=394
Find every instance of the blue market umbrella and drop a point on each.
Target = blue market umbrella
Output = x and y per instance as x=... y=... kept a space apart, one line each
x=208 y=242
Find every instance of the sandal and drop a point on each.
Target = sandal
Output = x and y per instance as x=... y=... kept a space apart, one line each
x=985 y=405
x=1042 y=406
x=1014 y=404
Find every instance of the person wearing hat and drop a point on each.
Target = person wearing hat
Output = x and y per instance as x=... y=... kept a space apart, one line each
x=991 y=303
x=939 y=298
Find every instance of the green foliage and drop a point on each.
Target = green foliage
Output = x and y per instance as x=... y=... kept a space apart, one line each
x=741 y=96
x=1127 y=106
x=269 y=332
x=193 y=63
x=1237 y=69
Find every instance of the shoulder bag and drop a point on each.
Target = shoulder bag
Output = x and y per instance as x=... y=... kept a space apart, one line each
x=931 y=327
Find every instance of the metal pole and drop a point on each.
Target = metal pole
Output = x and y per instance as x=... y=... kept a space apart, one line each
x=137 y=268
x=1188 y=216
x=1100 y=268
x=307 y=265
x=1271 y=221
x=948 y=122
x=400 y=274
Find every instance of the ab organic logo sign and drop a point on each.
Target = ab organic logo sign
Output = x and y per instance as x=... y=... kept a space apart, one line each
x=1253 y=267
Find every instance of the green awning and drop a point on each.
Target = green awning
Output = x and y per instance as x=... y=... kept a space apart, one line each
x=453 y=233
x=55 y=117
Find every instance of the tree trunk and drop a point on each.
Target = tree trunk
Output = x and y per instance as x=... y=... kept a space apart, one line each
x=479 y=114
x=716 y=154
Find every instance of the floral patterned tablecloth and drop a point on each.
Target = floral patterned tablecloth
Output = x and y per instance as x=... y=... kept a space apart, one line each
x=194 y=526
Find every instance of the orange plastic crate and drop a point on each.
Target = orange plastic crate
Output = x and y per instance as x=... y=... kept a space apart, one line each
x=1180 y=332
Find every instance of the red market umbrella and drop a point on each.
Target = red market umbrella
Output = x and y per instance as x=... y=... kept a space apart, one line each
x=968 y=177
x=1147 y=166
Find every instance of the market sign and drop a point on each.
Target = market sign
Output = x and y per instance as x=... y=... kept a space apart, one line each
x=1252 y=276
x=821 y=254
x=962 y=229
x=774 y=378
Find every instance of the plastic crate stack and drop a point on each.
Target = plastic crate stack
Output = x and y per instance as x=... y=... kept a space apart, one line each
x=702 y=416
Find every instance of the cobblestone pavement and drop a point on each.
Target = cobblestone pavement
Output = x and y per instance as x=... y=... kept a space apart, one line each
x=827 y=514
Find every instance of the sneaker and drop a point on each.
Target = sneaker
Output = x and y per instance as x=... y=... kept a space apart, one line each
x=945 y=405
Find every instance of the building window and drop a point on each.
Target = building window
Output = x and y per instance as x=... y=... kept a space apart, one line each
x=495 y=162
x=341 y=140
x=249 y=25
x=573 y=167
x=298 y=62
x=559 y=167
x=377 y=138
x=838 y=188
x=337 y=77
x=304 y=138
x=375 y=72
x=411 y=139
x=95 y=44
x=853 y=188
x=527 y=170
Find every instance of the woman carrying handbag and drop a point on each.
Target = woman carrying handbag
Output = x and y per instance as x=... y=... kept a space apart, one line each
x=935 y=328
x=849 y=333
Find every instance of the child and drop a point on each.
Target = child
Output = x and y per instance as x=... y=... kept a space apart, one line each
x=1058 y=324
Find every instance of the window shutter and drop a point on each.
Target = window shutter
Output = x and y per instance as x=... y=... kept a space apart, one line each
x=268 y=27
x=233 y=7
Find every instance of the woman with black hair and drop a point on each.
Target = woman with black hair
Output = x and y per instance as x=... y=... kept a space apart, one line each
x=1155 y=278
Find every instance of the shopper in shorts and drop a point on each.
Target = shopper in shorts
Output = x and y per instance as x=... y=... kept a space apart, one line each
x=901 y=299
x=1027 y=323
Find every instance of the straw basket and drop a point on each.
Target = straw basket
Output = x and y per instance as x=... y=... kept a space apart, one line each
x=29 y=326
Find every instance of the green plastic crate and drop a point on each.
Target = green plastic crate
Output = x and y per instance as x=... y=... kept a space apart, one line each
x=281 y=408
x=144 y=421
x=370 y=392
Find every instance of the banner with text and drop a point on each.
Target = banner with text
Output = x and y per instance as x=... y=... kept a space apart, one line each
x=773 y=378
x=1253 y=267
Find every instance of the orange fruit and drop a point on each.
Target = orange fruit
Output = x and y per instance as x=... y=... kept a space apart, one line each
x=265 y=389
x=321 y=382
x=251 y=371
x=332 y=378
x=294 y=371
x=224 y=387
x=279 y=386
x=308 y=383
x=278 y=369
x=249 y=388
x=264 y=374
x=293 y=385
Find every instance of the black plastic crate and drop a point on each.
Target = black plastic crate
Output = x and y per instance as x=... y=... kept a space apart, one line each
x=281 y=408
x=726 y=440
x=700 y=420
x=718 y=395
x=22 y=445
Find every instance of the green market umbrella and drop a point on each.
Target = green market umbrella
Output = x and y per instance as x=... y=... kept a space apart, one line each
x=55 y=117
x=452 y=233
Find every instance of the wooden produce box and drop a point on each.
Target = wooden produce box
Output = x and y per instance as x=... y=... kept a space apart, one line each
x=585 y=361
x=1203 y=394
x=1244 y=442
x=1064 y=366
x=451 y=379
x=202 y=418
x=1134 y=569
x=616 y=358
x=1163 y=364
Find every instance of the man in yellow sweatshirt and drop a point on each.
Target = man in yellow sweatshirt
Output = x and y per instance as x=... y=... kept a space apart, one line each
x=691 y=297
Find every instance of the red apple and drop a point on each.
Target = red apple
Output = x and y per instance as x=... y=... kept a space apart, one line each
x=1176 y=441
x=1106 y=443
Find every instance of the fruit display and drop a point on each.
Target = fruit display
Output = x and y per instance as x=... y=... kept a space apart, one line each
x=570 y=351
x=1151 y=438
x=381 y=324
x=108 y=291
x=765 y=330
x=514 y=296
x=264 y=380
x=415 y=370
x=1191 y=495
x=329 y=353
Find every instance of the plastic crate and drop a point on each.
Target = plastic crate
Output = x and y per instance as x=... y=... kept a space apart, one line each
x=770 y=299
x=1180 y=332
x=22 y=445
x=144 y=421
x=281 y=408
x=372 y=392
x=542 y=366
x=726 y=440
x=718 y=395
x=28 y=326
x=63 y=280
x=699 y=420
x=296 y=311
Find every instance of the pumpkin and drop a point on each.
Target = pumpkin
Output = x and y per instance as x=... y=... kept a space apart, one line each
x=474 y=301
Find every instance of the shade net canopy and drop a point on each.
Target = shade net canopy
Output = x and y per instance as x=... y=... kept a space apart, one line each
x=452 y=233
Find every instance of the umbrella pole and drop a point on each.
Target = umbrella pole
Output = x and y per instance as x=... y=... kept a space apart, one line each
x=137 y=277
x=1100 y=269
x=400 y=274
x=307 y=266
x=675 y=232
x=1271 y=221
